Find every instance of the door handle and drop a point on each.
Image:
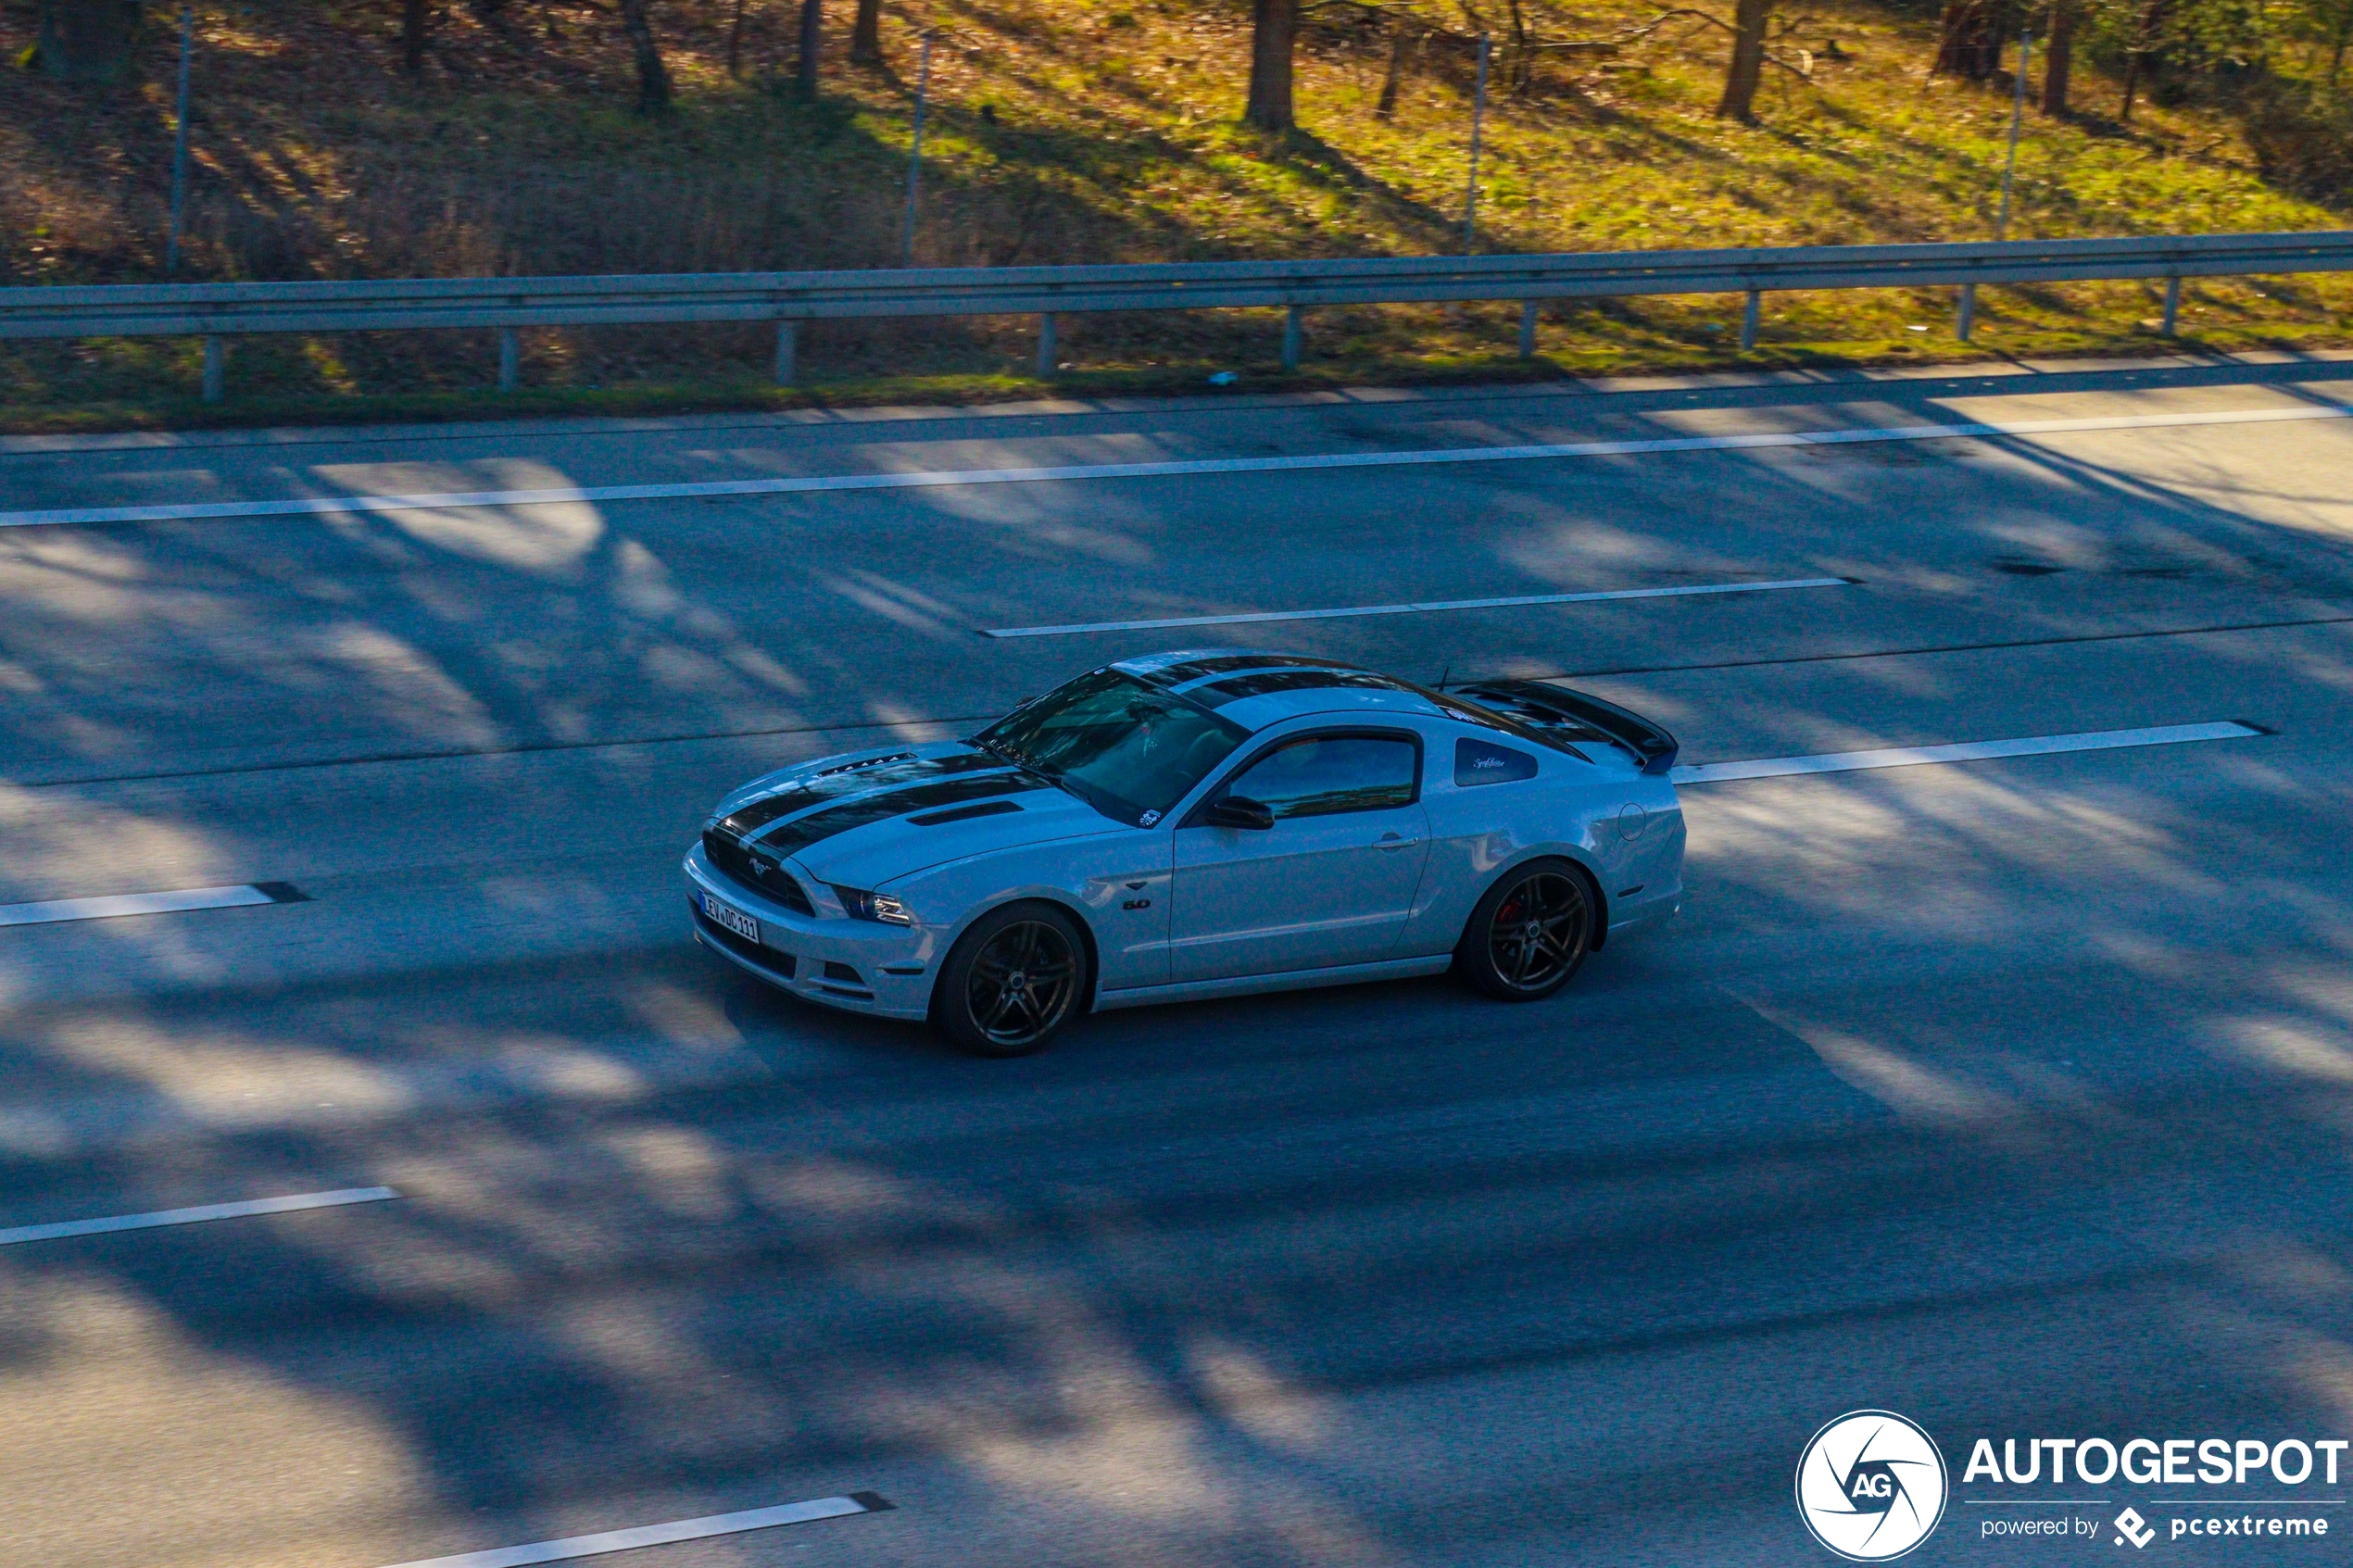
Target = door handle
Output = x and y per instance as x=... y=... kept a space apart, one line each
x=1394 y=841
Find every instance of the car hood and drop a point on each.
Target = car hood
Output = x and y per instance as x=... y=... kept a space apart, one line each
x=866 y=818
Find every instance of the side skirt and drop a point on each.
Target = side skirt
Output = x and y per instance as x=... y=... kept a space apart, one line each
x=1293 y=980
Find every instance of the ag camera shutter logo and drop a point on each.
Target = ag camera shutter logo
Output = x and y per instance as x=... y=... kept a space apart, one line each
x=1871 y=1485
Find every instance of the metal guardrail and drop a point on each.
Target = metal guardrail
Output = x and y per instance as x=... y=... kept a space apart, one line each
x=215 y=310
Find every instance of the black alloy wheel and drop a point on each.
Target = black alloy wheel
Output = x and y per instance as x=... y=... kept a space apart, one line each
x=1011 y=982
x=1530 y=933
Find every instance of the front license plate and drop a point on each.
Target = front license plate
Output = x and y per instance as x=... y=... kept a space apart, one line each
x=733 y=919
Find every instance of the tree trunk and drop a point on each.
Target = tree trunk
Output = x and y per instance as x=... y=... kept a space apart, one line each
x=865 y=36
x=1970 y=44
x=736 y=43
x=1746 y=68
x=414 y=20
x=1274 y=31
x=653 y=80
x=2143 y=40
x=86 y=40
x=1398 y=40
x=812 y=23
x=1520 y=69
x=2337 y=54
x=2058 y=56
x=492 y=14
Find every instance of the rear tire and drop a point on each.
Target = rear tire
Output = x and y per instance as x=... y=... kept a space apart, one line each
x=1011 y=982
x=1530 y=932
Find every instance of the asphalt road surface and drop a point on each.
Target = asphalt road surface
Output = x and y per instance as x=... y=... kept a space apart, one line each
x=2015 y=1096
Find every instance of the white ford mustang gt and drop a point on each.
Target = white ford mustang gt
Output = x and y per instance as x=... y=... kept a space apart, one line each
x=1198 y=824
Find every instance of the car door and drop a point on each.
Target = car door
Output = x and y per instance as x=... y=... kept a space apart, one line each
x=1330 y=882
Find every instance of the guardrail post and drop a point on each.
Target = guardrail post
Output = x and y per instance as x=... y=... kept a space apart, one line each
x=2173 y=304
x=1751 y=318
x=1969 y=312
x=1295 y=330
x=510 y=359
x=216 y=368
x=787 y=352
x=1047 y=357
x=1528 y=329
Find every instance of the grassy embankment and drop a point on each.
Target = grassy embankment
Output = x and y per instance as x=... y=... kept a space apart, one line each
x=1060 y=131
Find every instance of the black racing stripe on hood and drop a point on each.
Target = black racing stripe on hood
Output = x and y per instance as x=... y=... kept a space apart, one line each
x=1220 y=693
x=745 y=820
x=799 y=834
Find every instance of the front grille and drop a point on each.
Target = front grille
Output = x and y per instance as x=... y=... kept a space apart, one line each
x=730 y=858
x=766 y=958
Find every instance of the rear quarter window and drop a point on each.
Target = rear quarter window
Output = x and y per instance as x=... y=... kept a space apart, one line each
x=1484 y=763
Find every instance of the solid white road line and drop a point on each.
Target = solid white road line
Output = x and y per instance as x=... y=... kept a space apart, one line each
x=197 y=1216
x=1426 y=607
x=186 y=898
x=325 y=506
x=1969 y=751
x=659 y=1535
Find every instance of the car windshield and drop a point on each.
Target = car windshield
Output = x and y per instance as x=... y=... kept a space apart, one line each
x=1125 y=749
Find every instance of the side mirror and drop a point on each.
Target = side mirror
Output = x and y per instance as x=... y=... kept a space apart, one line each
x=1240 y=811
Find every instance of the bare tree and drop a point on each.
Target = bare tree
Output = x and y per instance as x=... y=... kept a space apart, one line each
x=2330 y=24
x=1400 y=40
x=2058 y=57
x=1746 y=68
x=812 y=25
x=1970 y=42
x=2143 y=41
x=1520 y=65
x=1274 y=35
x=654 y=77
x=866 y=34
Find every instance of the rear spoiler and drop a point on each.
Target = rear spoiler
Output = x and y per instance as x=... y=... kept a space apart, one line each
x=1575 y=715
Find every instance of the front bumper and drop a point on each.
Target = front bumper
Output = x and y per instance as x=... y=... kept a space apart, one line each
x=857 y=965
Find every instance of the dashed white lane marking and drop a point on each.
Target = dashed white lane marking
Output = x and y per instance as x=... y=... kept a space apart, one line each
x=110 y=905
x=325 y=506
x=196 y=1216
x=1969 y=751
x=1424 y=607
x=660 y=1535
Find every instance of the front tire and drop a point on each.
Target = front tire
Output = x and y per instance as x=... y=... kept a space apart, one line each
x=1011 y=982
x=1530 y=932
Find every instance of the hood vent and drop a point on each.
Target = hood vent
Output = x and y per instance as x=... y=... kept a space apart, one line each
x=964 y=813
x=866 y=763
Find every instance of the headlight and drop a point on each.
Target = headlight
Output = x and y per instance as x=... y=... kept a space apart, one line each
x=883 y=907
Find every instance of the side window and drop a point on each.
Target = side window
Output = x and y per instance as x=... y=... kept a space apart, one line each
x=1329 y=774
x=1484 y=763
